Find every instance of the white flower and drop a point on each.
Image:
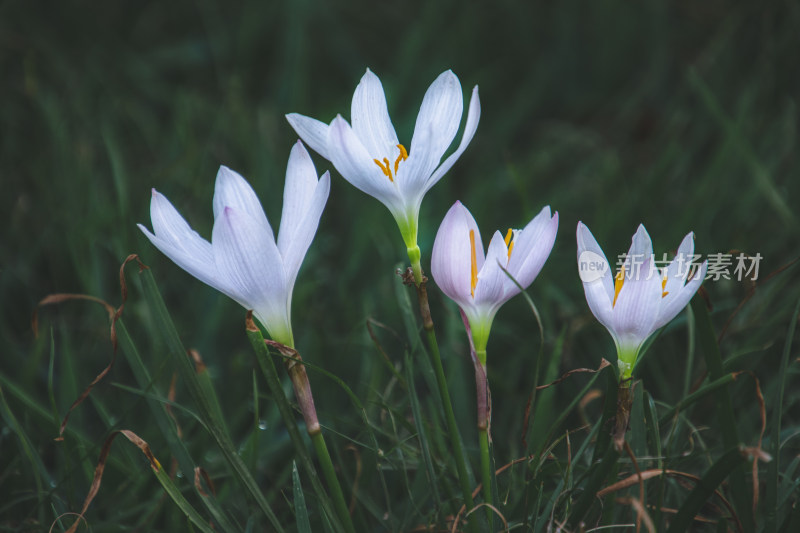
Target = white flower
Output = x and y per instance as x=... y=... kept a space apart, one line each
x=243 y=260
x=640 y=299
x=369 y=155
x=478 y=284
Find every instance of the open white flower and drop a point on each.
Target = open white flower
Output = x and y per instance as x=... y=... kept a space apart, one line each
x=478 y=284
x=243 y=260
x=369 y=155
x=640 y=299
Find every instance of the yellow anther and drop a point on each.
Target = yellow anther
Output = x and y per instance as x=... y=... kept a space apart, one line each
x=664 y=286
x=509 y=242
x=387 y=171
x=402 y=157
x=474 y=267
x=618 y=281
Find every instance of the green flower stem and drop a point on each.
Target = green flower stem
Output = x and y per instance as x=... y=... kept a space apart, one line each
x=483 y=410
x=302 y=391
x=486 y=473
x=306 y=401
x=415 y=255
x=436 y=360
x=333 y=482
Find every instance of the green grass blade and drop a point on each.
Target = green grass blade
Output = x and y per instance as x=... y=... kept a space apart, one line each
x=198 y=392
x=773 y=470
x=722 y=468
x=300 y=509
x=707 y=339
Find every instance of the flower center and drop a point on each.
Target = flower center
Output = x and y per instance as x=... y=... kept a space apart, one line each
x=473 y=273
x=664 y=285
x=385 y=166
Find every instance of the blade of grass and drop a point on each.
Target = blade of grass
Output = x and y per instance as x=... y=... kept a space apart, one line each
x=773 y=470
x=300 y=509
x=198 y=392
x=162 y=419
x=722 y=468
x=707 y=340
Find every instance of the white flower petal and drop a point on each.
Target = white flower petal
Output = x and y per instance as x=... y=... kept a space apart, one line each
x=296 y=249
x=473 y=117
x=440 y=113
x=312 y=131
x=640 y=250
x=680 y=297
x=451 y=259
x=532 y=247
x=600 y=291
x=250 y=262
x=354 y=163
x=636 y=310
x=301 y=181
x=370 y=117
x=677 y=271
x=413 y=173
x=232 y=190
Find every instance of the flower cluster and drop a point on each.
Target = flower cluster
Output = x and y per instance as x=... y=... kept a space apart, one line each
x=246 y=262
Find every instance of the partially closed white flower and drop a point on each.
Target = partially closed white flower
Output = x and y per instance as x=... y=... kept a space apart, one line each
x=243 y=259
x=368 y=154
x=477 y=283
x=641 y=298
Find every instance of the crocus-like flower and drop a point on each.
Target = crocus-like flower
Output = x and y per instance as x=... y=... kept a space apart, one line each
x=243 y=260
x=641 y=298
x=479 y=284
x=369 y=155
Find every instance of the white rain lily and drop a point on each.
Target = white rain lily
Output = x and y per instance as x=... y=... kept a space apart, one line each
x=641 y=298
x=243 y=259
x=478 y=284
x=369 y=155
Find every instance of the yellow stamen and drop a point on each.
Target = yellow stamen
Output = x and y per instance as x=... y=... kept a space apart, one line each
x=385 y=169
x=509 y=242
x=402 y=157
x=474 y=269
x=664 y=286
x=618 y=281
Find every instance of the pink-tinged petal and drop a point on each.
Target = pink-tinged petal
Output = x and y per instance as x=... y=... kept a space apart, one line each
x=440 y=113
x=296 y=249
x=451 y=263
x=493 y=287
x=636 y=311
x=473 y=117
x=641 y=249
x=354 y=163
x=312 y=131
x=232 y=190
x=370 y=117
x=532 y=247
x=681 y=296
x=301 y=181
x=250 y=262
x=599 y=290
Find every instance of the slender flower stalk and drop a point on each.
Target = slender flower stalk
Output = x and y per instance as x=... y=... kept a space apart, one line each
x=245 y=262
x=368 y=153
x=480 y=284
x=636 y=302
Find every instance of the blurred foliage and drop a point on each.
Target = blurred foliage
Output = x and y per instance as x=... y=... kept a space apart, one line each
x=679 y=115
